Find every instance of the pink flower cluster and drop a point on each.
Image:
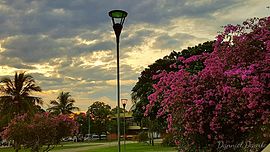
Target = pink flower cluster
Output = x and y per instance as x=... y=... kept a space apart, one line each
x=230 y=96
x=45 y=127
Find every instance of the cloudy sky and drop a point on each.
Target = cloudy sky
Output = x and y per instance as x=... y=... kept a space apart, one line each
x=69 y=45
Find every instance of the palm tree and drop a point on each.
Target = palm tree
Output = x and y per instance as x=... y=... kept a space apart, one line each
x=64 y=105
x=15 y=95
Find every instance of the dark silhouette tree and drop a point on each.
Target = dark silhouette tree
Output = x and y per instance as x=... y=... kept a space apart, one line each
x=63 y=105
x=16 y=96
x=114 y=110
x=100 y=115
x=83 y=120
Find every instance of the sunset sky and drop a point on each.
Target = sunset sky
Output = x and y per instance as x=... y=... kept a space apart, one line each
x=69 y=45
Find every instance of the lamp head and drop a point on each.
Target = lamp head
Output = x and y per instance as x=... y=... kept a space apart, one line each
x=118 y=19
x=124 y=102
x=118 y=16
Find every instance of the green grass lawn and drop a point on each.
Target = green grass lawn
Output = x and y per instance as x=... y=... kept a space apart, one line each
x=65 y=146
x=131 y=147
x=135 y=147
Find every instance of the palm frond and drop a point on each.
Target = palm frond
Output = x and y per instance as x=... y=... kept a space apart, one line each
x=75 y=108
x=54 y=102
x=16 y=94
x=64 y=104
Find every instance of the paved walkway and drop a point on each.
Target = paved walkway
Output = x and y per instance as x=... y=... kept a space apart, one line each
x=91 y=145
x=266 y=149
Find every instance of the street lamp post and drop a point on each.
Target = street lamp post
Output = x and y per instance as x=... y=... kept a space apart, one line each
x=89 y=123
x=118 y=18
x=124 y=103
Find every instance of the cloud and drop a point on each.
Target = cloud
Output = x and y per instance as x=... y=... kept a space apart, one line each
x=65 y=18
x=15 y=63
x=101 y=45
x=32 y=48
x=69 y=45
x=137 y=37
x=122 y=82
x=166 y=41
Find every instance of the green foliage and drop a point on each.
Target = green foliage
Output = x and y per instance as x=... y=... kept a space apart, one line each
x=168 y=140
x=195 y=67
x=99 y=112
x=206 y=47
x=83 y=120
x=143 y=136
x=99 y=109
x=112 y=126
x=63 y=105
x=228 y=100
x=16 y=97
x=114 y=110
x=41 y=129
x=144 y=86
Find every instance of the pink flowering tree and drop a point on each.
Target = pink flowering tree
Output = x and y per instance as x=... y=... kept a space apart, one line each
x=144 y=86
x=41 y=129
x=228 y=101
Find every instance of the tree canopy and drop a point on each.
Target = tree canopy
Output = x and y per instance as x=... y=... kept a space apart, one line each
x=99 y=112
x=16 y=97
x=228 y=100
x=144 y=86
x=41 y=129
x=63 y=105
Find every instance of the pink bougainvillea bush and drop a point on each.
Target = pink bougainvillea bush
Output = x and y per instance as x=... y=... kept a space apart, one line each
x=38 y=130
x=228 y=101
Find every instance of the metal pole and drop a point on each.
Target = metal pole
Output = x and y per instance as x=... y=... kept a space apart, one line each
x=118 y=95
x=89 y=125
x=124 y=129
x=117 y=30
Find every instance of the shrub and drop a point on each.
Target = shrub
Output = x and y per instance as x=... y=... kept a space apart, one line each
x=143 y=136
x=38 y=130
x=168 y=140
